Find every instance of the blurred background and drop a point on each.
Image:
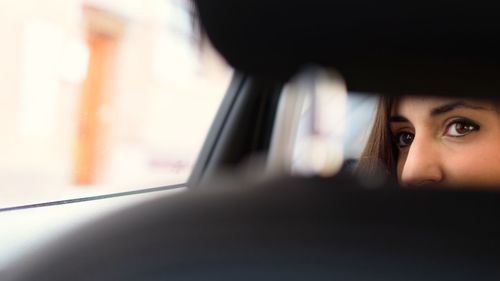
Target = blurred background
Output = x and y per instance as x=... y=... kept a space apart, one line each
x=101 y=96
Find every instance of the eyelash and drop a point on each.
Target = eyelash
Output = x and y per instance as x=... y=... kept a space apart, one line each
x=397 y=139
x=467 y=123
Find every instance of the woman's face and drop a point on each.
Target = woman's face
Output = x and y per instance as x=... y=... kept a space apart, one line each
x=447 y=142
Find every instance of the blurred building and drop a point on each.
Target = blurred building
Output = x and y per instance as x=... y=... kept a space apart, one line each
x=101 y=96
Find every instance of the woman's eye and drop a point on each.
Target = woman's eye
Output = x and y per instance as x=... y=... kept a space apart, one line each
x=404 y=139
x=461 y=128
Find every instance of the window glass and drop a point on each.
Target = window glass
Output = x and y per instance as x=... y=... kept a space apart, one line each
x=333 y=125
x=102 y=96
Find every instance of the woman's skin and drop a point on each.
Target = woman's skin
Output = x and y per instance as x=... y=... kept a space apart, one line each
x=447 y=142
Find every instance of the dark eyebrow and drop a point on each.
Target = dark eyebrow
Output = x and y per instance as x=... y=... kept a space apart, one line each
x=441 y=110
x=451 y=106
x=398 y=118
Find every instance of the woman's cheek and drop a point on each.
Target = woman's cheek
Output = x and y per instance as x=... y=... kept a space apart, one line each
x=473 y=165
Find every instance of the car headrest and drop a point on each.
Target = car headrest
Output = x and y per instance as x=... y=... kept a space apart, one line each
x=284 y=228
x=425 y=47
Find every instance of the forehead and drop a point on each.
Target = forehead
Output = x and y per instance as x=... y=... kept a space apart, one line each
x=424 y=105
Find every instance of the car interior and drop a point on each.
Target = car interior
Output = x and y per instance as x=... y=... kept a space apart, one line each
x=251 y=212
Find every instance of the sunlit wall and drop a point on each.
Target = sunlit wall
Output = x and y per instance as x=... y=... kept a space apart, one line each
x=149 y=97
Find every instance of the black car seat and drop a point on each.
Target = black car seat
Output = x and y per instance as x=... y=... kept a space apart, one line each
x=284 y=229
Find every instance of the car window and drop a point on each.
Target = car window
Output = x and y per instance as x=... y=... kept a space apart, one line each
x=102 y=96
x=321 y=126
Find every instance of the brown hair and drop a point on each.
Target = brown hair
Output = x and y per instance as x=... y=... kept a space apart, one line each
x=379 y=156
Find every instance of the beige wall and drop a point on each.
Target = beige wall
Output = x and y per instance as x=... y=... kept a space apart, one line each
x=161 y=98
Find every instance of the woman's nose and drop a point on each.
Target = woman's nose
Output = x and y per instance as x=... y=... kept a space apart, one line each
x=422 y=165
